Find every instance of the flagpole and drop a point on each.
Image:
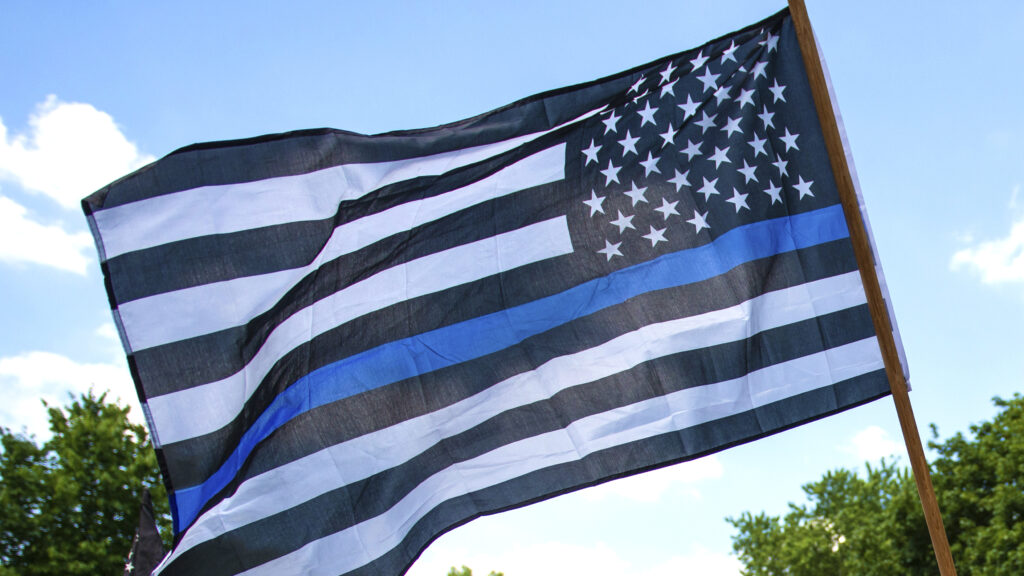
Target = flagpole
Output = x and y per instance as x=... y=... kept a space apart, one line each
x=876 y=304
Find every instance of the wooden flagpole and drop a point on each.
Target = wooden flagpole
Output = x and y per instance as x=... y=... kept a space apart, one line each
x=876 y=304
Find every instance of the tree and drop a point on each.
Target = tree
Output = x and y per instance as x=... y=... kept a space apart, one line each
x=980 y=481
x=873 y=525
x=71 y=506
x=853 y=525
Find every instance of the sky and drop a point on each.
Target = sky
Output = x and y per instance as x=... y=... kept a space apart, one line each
x=930 y=99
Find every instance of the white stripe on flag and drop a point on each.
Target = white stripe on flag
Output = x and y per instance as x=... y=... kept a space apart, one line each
x=364 y=456
x=203 y=409
x=199 y=310
x=365 y=542
x=235 y=207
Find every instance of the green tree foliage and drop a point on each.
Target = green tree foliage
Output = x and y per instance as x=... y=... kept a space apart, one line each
x=464 y=571
x=852 y=525
x=872 y=524
x=71 y=505
x=980 y=481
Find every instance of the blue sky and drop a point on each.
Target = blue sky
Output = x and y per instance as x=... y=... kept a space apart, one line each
x=930 y=100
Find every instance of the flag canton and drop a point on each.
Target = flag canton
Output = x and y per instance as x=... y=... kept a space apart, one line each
x=698 y=145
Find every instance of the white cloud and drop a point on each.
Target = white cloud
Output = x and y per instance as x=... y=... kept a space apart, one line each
x=997 y=261
x=108 y=332
x=558 y=559
x=71 y=150
x=874 y=443
x=33 y=376
x=651 y=486
x=25 y=240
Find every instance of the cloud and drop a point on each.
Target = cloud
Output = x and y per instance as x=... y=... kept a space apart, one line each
x=651 y=486
x=872 y=444
x=108 y=332
x=997 y=261
x=25 y=240
x=71 y=149
x=558 y=559
x=30 y=377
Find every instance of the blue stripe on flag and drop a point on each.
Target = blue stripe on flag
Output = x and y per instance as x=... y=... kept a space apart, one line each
x=478 y=337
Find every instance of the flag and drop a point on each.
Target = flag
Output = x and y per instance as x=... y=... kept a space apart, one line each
x=147 y=548
x=346 y=345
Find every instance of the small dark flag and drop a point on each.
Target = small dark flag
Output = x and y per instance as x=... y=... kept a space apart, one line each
x=147 y=547
x=345 y=345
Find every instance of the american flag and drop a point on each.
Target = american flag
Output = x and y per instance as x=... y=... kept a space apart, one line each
x=346 y=345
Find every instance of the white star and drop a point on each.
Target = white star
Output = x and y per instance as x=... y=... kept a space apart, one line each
x=720 y=155
x=623 y=222
x=708 y=189
x=640 y=96
x=705 y=122
x=690 y=108
x=636 y=85
x=758 y=145
x=777 y=91
x=629 y=144
x=709 y=80
x=698 y=61
x=781 y=165
x=748 y=172
x=610 y=249
x=722 y=94
x=637 y=194
x=591 y=153
x=669 y=135
x=729 y=52
x=804 y=188
x=773 y=191
x=789 y=140
x=611 y=173
x=666 y=74
x=681 y=180
x=732 y=125
x=746 y=97
x=668 y=88
x=647 y=114
x=596 y=203
x=656 y=235
x=667 y=208
x=758 y=70
x=610 y=122
x=772 y=42
x=738 y=200
x=766 y=118
x=692 y=150
x=699 y=221
x=651 y=164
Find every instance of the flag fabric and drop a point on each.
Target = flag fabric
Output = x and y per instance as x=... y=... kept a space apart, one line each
x=346 y=345
x=147 y=548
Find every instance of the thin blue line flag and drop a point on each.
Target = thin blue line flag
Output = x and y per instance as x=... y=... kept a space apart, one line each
x=346 y=345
